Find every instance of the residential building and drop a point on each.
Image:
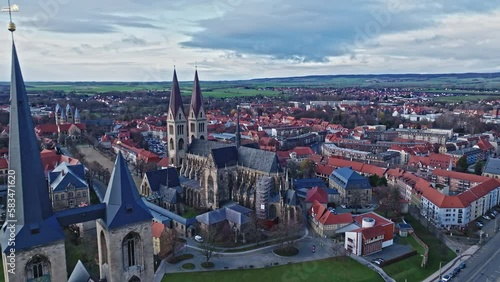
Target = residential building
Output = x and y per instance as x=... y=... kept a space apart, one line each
x=368 y=234
x=68 y=188
x=353 y=188
x=492 y=168
x=325 y=222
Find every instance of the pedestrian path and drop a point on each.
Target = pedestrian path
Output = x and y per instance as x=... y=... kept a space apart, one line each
x=452 y=264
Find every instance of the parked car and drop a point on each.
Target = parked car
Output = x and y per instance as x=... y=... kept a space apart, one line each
x=198 y=239
x=378 y=261
x=314 y=248
x=492 y=215
x=486 y=217
x=446 y=278
x=462 y=265
x=479 y=224
x=455 y=271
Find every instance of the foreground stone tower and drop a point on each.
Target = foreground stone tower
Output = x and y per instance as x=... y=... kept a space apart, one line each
x=31 y=238
x=124 y=236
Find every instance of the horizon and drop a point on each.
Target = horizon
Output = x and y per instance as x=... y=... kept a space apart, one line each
x=262 y=78
x=235 y=40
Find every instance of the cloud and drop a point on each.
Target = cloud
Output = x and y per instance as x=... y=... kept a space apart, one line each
x=315 y=31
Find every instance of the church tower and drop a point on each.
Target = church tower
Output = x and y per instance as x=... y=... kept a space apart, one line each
x=177 y=126
x=32 y=240
x=77 y=116
x=124 y=236
x=69 y=113
x=197 y=118
x=58 y=114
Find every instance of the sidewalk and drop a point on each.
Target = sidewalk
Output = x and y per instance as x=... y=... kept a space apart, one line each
x=452 y=264
x=373 y=267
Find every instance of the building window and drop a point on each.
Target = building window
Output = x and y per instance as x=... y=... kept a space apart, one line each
x=84 y=194
x=57 y=197
x=78 y=194
x=131 y=250
x=38 y=267
x=70 y=195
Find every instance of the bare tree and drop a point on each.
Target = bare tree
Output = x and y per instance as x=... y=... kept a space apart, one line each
x=389 y=200
x=168 y=242
x=287 y=231
x=208 y=245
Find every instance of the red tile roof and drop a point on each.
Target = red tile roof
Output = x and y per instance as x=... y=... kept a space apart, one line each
x=163 y=162
x=331 y=218
x=460 y=175
x=317 y=194
x=4 y=163
x=157 y=229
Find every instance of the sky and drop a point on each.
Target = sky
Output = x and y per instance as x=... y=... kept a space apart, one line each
x=130 y=40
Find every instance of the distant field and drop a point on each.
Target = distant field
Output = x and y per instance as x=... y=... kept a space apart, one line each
x=473 y=84
x=467 y=98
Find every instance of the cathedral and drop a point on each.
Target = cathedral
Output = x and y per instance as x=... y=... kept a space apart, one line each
x=223 y=173
x=32 y=238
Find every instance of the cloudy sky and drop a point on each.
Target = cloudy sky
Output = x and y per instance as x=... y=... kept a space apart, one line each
x=129 y=40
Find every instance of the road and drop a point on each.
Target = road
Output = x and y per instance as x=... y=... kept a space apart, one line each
x=484 y=265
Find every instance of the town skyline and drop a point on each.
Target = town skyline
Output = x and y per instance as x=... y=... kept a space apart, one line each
x=232 y=40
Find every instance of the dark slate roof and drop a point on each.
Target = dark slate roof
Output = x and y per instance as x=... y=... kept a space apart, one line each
x=160 y=177
x=33 y=206
x=196 y=98
x=64 y=180
x=234 y=214
x=81 y=214
x=249 y=157
x=492 y=166
x=308 y=183
x=170 y=195
x=349 y=179
x=291 y=198
x=258 y=159
x=175 y=97
x=225 y=156
x=77 y=113
x=204 y=147
x=235 y=217
x=168 y=214
x=212 y=217
x=240 y=209
x=80 y=273
x=123 y=203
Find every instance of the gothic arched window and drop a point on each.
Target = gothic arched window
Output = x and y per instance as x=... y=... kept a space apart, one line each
x=131 y=246
x=180 y=145
x=38 y=267
x=210 y=186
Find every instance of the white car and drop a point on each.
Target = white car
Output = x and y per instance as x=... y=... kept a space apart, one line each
x=198 y=239
x=486 y=217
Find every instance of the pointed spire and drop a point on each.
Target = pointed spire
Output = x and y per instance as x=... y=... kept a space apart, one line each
x=35 y=222
x=196 y=98
x=123 y=202
x=58 y=108
x=175 y=96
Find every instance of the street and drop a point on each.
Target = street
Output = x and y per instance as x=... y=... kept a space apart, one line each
x=484 y=265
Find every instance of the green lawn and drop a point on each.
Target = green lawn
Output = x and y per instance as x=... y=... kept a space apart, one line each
x=410 y=268
x=344 y=270
x=190 y=212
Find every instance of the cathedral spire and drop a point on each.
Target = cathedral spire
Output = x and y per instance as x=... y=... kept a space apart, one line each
x=196 y=98
x=123 y=202
x=35 y=224
x=175 y=96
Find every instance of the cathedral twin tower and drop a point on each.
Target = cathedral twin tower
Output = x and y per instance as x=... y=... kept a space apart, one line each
x=182 y=128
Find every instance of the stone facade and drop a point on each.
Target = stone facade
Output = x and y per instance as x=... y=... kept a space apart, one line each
x=47 y=262
x=119 y=260
x=233 y=183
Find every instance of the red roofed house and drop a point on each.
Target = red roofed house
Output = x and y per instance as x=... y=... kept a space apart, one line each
x=325 y=222
x=458 y=181
x=50 y=160
x=457 y=211
x=316 y=194
x=369 y=234
x=4 y=167
x=157 y=229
